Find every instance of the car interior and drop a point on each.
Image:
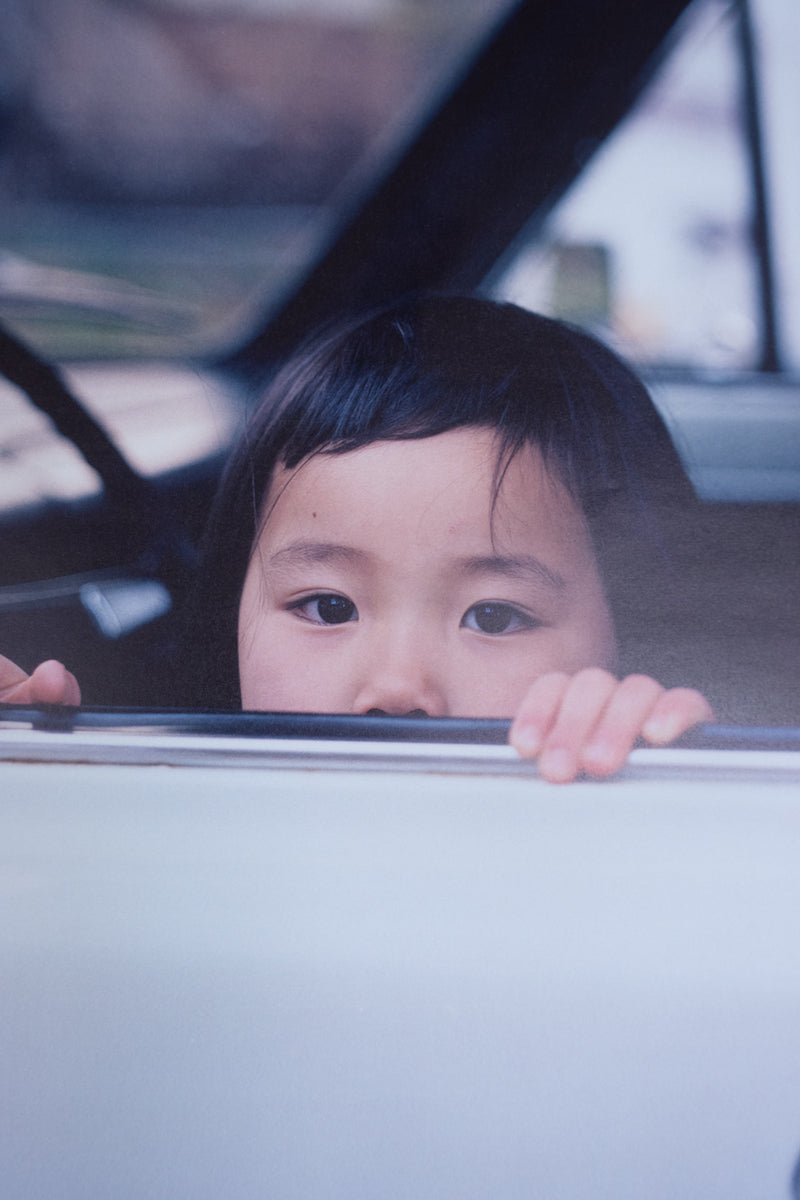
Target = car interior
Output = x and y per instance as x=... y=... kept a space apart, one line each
x=115 y=421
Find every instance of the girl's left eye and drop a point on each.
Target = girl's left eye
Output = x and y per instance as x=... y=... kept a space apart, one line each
x=327 y=608
x=495 y=616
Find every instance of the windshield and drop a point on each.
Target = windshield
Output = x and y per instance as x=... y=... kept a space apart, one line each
x=169 y=167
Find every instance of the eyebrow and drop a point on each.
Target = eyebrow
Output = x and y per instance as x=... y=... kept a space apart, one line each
x=523 y=567
x=303 y=554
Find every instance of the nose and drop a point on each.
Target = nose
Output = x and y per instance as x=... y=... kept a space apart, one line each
x=402 y=679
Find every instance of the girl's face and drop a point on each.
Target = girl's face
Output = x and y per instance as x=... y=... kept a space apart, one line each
x=384 y=580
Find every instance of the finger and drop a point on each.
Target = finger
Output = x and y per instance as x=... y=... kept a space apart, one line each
x=582 y=704
x=50 y=683
x=676 y=711
x=631 y=705
x=12 y=678
x=537 y=713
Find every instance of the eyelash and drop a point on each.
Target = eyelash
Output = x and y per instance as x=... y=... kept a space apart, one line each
x=495 y=618
x=347 y=610
x=497 y=611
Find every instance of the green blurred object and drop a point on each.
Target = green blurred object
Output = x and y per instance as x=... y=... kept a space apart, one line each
x=582 y=283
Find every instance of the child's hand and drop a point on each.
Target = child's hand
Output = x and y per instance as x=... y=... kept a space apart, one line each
x=50 y=683
x=588 y=722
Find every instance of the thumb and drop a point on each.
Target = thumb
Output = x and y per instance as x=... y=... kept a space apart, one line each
x=50 y=683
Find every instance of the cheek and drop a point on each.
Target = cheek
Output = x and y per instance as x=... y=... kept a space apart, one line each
x=268 y=669
x=588 y=642
x=600 y=649
x=609 y=651
x=279 y=670
x=283 y=666
x=259 y=649
x=250 y=620
x=254 y=672
x=492 y=679
x=594 y=642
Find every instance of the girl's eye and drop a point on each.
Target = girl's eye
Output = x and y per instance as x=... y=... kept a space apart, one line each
x=327 y=609
x=494 y=616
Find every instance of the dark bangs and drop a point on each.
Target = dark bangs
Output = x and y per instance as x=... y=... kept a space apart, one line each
x=442 y=363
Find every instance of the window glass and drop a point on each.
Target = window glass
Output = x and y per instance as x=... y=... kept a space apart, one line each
x=652 y=246
x=168 y=166
x=778 y=45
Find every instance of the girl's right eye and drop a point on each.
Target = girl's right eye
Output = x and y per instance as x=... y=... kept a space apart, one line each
x=326 y=608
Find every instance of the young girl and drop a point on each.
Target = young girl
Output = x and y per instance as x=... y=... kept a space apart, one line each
x=450 y=508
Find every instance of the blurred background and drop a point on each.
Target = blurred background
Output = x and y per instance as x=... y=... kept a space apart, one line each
x=197 y=152
x=169 y=167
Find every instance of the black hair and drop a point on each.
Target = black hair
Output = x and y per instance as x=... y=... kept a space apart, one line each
x=426 y=366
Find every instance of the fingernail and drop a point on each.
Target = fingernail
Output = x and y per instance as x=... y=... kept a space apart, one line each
x=662 y=728
x=598 y=755
x=557 y=765
x=527 y=741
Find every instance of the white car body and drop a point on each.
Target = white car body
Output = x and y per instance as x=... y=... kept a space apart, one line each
x=243 y=967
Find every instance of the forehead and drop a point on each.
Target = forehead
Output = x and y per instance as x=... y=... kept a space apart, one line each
x=428 y=492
